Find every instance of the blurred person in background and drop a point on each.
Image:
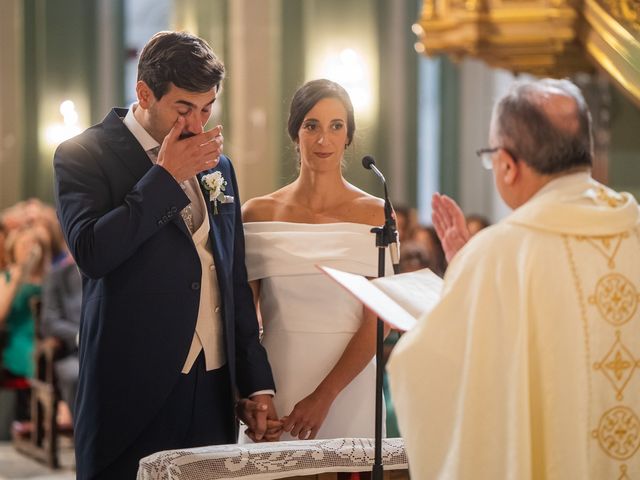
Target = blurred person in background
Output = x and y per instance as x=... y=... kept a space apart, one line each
x=427 y=237
x=476 y=222
x=3 y=239
x=406 y=221
x=20 y=284
x=414 y=256
x=61 y=305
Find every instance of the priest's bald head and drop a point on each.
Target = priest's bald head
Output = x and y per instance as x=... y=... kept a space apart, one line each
x=539 y=130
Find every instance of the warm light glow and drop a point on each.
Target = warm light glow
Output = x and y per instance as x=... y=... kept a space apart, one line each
x=59 y=132
x=349 y=69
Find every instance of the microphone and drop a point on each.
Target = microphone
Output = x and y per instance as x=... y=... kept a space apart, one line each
x=389 y=219
x=370 y=164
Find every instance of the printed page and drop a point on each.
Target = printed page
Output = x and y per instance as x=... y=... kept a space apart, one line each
x=417 y=292
x=398 y=300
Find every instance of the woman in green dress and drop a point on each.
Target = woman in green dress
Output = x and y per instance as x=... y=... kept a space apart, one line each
x=20 y=283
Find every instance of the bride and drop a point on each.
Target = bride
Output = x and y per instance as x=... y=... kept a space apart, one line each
x=320 y=341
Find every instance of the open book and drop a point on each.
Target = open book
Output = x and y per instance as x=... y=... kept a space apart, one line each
x=399 y=300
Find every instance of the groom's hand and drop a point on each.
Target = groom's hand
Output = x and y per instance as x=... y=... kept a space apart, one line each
x=184 y=155
x=261 y=418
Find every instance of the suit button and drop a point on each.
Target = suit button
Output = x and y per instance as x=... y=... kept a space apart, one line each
x=212 y=268
x=217 y=309
x=195 y=286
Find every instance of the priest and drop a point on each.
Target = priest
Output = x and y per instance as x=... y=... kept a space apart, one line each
x=529 y=366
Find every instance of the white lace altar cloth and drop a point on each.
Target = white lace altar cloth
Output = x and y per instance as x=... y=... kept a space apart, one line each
x=265 y=461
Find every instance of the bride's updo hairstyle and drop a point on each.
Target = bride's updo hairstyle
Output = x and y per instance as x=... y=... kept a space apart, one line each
x=311 y=93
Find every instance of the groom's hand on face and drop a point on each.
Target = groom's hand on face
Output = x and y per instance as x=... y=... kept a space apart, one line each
x=261 y=418
x=184 y=155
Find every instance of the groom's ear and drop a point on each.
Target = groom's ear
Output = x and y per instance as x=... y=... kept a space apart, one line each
x=145 y=94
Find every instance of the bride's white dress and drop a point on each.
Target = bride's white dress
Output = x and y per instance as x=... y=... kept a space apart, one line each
x=308 y=319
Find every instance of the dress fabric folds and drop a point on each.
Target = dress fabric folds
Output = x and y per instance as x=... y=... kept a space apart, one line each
x=308 y=319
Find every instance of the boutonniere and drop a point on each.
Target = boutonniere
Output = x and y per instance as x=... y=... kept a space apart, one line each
x=215 y=184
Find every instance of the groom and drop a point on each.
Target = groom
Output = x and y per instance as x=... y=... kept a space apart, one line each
x=168 y=334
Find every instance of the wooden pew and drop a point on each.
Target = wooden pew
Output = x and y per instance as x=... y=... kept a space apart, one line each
x=39 y=439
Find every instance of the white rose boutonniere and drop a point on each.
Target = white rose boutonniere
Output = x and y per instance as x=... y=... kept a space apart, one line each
x=215 y=184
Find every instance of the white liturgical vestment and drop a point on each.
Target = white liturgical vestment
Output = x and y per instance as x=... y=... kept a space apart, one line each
x=529 y=366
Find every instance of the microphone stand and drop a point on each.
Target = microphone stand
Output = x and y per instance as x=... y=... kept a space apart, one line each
x=386 y=236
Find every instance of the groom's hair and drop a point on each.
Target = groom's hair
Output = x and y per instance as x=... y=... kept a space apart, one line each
x=180 y=58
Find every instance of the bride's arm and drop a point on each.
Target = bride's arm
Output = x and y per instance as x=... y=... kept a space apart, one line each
x=309 y=413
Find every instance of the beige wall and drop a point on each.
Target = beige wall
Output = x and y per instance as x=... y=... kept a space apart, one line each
x=248 y=108
x=11 y=115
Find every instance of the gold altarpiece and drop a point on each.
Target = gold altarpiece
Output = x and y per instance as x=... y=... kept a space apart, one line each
x=543 y=37
x=555 y=38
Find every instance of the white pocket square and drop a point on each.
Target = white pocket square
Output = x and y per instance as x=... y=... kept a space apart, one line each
x=228 y=199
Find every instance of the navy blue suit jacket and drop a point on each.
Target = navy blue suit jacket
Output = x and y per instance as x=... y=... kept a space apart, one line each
x=141 y=285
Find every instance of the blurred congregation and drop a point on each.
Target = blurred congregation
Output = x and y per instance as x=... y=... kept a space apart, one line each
x=40 y=302
x=147 y=238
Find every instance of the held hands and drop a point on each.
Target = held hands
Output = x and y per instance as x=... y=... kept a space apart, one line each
x=308 y=415
x=185 y=158
x=259 y=414
x=450 y=224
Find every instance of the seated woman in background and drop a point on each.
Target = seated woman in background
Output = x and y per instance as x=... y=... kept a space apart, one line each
x=320 y=341
x=21 y=282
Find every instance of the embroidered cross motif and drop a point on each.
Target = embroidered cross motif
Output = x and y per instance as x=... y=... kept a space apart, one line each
x=608 y=246
x=623 y=473
x=616 y=299
x=619 y=433
x=618 y=365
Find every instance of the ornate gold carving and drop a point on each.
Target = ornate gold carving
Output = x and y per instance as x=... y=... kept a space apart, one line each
x=543 y=37
x=616 y=299
x=619 y=433
x=626 y=11
x=607 y=245
x=536 y=36
x=613 y=45
x=618 y=365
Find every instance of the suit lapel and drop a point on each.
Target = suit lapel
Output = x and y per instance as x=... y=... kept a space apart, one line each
x=124 y=144
x=214 y=227
x=129 y=151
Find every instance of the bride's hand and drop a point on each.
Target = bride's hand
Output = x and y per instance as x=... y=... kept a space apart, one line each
x=308 y=415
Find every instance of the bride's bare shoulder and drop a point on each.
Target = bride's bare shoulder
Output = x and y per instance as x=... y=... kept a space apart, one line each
x=263 y=209
x=366 y=208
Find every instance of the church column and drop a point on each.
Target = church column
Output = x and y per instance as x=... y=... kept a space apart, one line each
x=64 y=45
x=11 y=108
x=253 y=137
